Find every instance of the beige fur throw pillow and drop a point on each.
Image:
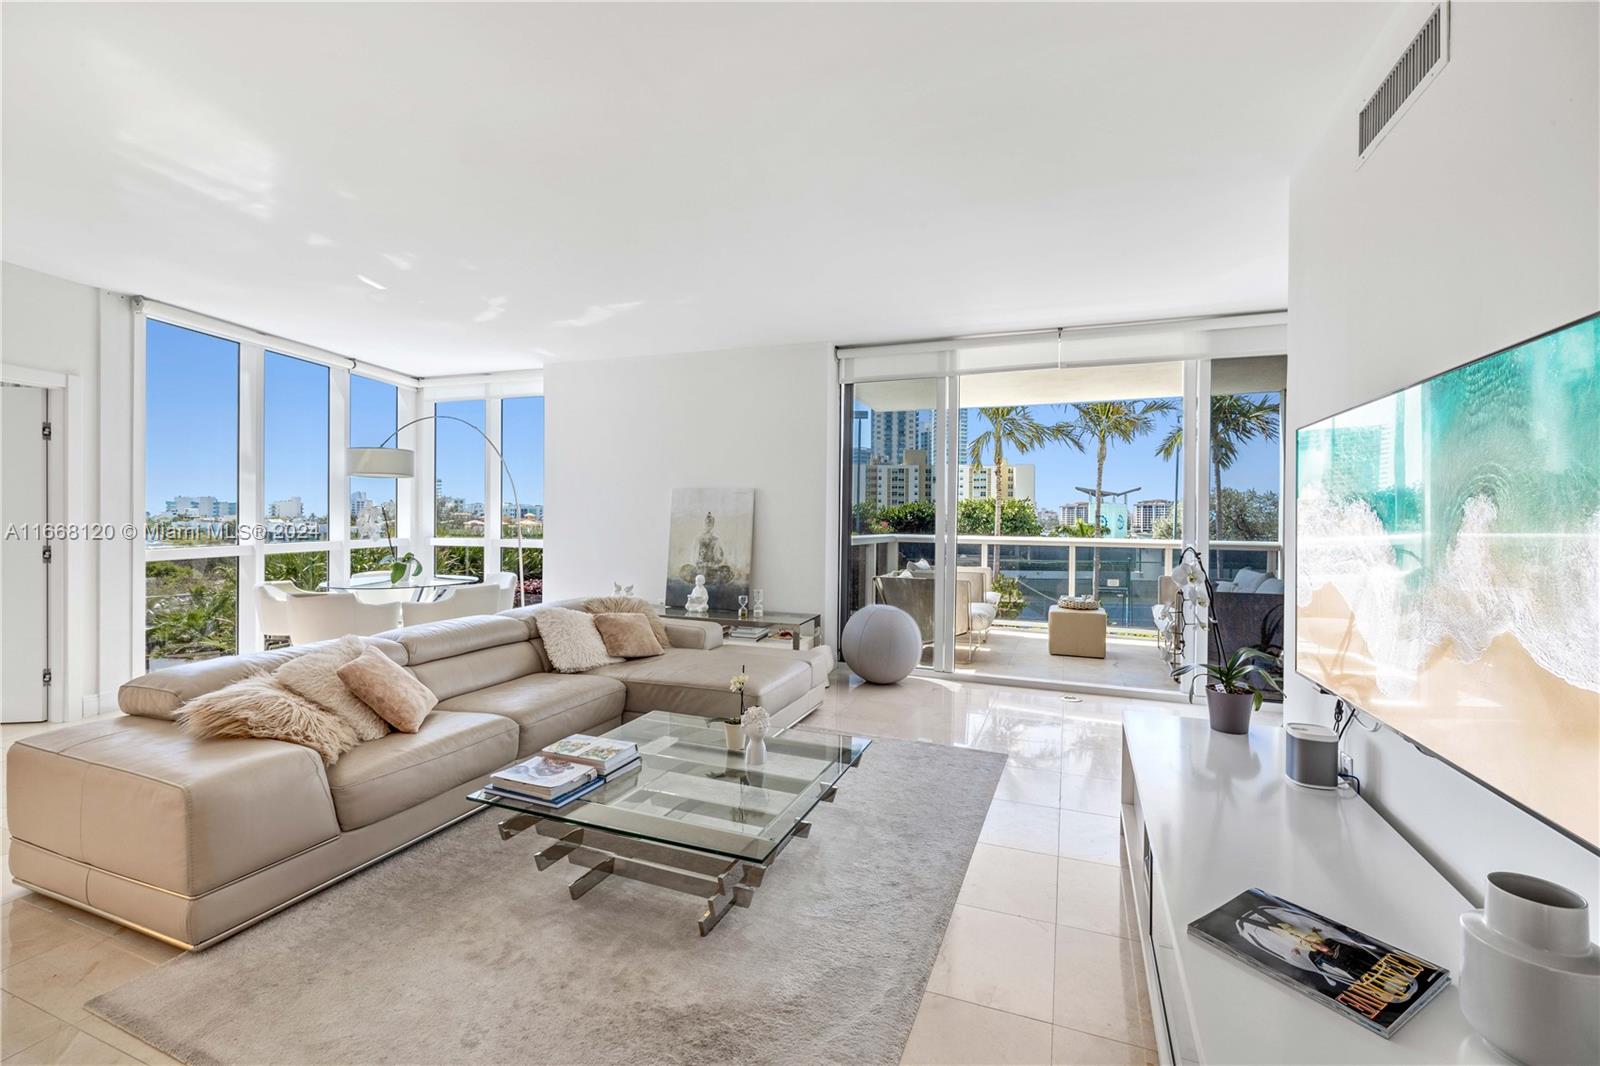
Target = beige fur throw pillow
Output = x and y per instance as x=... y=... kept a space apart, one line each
x=388 y=688
x=571 y=641
x=627 y=635
x=630 y=605
x=260 y=706
x=315 y=676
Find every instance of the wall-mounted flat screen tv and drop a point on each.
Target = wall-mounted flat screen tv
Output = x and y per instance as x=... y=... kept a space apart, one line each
x=1448 y=568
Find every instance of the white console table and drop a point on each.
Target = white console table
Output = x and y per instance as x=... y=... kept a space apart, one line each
x=1206 y=816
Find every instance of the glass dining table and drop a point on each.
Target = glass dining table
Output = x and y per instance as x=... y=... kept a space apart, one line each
x=418 y=589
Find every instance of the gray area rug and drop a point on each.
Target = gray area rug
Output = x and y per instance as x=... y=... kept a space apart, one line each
x=459 y=950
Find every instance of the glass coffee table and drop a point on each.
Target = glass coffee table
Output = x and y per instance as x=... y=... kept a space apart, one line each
x=695 y=817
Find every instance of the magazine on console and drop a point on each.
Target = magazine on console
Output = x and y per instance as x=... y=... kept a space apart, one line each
x=1372 y=983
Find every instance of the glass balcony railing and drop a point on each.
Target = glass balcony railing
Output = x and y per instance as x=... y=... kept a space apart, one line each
x=1045 y=568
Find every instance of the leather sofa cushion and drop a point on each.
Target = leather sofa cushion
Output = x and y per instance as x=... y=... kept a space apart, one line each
x=819 y=659
x=478 y=669
x=160 y=693
x=456 y=636
x=547 y=707
x=696 y=682
x=692 y=633
x=451 y=750
x=144 y=800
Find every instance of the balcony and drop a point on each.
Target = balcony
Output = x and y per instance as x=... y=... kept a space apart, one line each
x=1035 y=572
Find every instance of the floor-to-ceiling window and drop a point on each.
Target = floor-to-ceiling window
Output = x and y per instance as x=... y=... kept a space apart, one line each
x=522 y=492
x=1245 y=475
x=460 y=513
x=373 y=512
x=241 y=478
x=1069 y=481
x=191 y=484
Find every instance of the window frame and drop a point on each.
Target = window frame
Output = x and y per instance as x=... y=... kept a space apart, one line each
x=250 y=551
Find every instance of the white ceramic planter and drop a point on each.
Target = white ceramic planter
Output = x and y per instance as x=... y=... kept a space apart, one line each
x=1530 y=977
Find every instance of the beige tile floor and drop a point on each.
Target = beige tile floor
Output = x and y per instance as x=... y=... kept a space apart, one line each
x=1024 y=653
x=1037 y=965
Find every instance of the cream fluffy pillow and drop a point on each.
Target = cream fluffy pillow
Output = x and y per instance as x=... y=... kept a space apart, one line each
x=627 y=635
x=315 y=676
x=388 y=688
x=571 y=641
x=260 y=706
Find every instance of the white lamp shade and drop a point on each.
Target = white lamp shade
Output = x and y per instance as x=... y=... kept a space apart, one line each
x=382 y=462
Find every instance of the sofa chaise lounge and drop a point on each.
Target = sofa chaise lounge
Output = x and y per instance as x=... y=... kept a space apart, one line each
x=191 y=840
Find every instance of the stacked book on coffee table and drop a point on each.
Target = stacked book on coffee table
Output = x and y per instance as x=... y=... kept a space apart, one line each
x=566 y=771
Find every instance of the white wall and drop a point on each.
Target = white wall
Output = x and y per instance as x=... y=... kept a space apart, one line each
x=47 y=323
x=620 y=435
x=1475 y=224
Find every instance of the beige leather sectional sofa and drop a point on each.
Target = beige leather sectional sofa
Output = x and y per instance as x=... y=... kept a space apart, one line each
x=192 y=840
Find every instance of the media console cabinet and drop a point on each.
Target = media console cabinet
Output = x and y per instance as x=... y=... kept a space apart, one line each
x=1206 y=816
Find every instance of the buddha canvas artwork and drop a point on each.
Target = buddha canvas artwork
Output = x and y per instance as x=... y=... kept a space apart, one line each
x=709 y=534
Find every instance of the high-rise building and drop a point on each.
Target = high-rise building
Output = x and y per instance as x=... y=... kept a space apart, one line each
x=892 y=484
x=358 y=500
x=930 y=432
x=1078 y=511
x=893 y=434
x=1146 y=513
x=973 y=482
x=287 y=510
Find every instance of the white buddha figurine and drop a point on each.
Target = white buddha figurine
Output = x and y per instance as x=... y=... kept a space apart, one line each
x=699 y=600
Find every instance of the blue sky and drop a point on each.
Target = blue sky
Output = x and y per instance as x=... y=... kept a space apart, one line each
x=192 y=402
x=1059 y=469
x=458 y=452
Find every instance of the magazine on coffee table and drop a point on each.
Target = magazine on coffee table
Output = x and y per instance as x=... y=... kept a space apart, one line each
x=1372 y=983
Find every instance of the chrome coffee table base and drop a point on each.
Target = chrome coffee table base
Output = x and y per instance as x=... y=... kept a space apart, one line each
x=723 y=883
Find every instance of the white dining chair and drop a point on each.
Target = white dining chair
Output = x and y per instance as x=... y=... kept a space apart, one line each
x=507 y=583
x=272 y=607
x=327 y=615
x=458 y=602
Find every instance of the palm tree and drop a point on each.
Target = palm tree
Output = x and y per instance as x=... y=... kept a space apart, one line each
x=1113 y=421
x=1018 y=428
x=1236 y=419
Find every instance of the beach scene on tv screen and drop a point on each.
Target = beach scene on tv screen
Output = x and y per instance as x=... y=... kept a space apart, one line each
x=1448 y=568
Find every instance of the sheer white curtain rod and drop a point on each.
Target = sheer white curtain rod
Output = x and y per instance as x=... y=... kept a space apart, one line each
x=1024 y=336
x=183 y=316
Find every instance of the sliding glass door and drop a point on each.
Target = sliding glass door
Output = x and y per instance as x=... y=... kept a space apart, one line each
x=979 y=501
x=895 y=552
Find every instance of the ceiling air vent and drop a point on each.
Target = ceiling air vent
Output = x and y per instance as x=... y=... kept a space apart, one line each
x=1423 y=58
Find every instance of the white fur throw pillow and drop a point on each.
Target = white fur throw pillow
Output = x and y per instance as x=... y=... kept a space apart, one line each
x=571 y=641
x=315 y=676
x=260 y=706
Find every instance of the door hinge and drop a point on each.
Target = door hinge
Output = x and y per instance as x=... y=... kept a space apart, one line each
x=45 y=432
x=47 y=676
x=48 y=553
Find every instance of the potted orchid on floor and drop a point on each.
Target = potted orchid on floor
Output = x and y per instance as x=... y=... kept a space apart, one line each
x=1233 y=687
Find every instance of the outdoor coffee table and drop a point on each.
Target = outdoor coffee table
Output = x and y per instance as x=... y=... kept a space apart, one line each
x=695 y=817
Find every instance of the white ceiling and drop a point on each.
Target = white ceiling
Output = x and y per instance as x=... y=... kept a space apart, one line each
x=532 y=183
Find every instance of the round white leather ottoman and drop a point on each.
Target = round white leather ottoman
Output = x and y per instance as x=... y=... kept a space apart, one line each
x=881 y=643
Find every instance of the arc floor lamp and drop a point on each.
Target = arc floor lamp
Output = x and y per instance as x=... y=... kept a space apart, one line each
x=384 y=461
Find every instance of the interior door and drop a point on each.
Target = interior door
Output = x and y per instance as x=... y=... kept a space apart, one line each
x=24 y=571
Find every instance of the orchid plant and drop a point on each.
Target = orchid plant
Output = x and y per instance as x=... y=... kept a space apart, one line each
x=737 y=683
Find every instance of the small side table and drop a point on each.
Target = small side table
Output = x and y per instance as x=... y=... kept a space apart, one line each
x=1079 y=633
